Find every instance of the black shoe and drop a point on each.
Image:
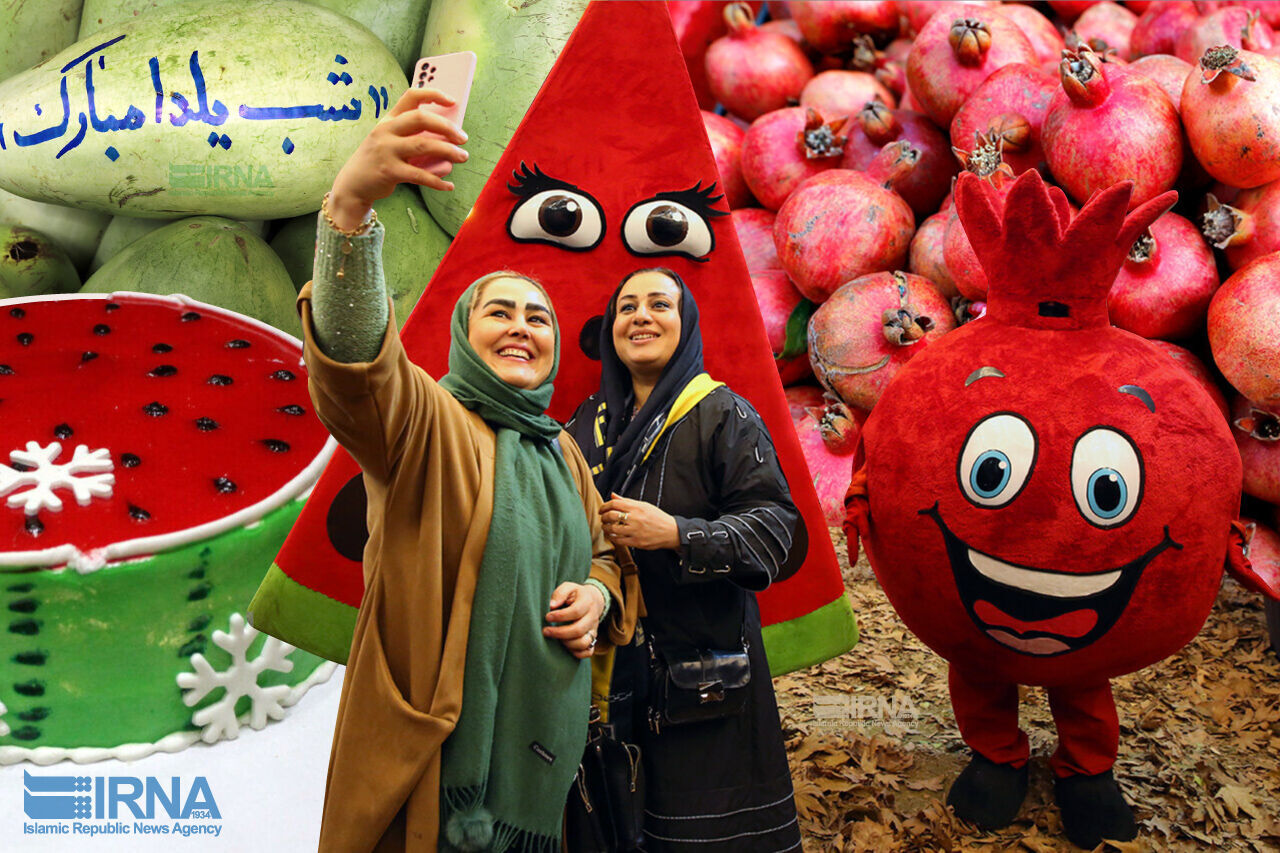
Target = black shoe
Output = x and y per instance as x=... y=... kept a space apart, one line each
x=988 y=794
x=1093 y=808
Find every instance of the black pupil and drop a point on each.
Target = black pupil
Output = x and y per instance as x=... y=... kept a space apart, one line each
x=990 y=474
x=666 y=225
x=560 y=216
x=1106 y=493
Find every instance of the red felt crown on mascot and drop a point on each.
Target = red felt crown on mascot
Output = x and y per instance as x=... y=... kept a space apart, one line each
x=1044 y=269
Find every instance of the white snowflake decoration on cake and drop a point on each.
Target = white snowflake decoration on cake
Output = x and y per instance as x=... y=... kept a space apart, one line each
x=87 y=475
x=240 y=679
x=4 y=727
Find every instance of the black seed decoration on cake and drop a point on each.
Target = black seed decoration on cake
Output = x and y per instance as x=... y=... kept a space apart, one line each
x=196 y=574
x=26 y=627
x=33 y=658
x=137 y=513
x=20 y=587
x=161 y=370
x=102 y=329
x=6 y=370
x=200 y=622
x=63 y=431
x=21 y=466
x=283 y=375
x=33 y=715
x=189 y=316
x=206 y=551
x=24 y=605
x=206 y=424
x=87 y=355
x=292 y=410
x=350 y=502
x=161 y=348
x=113 y=306
x=238 y=343
x=25 y=338
x=196 y=644
x=29 y=688
x=26 y=733
x=155 y=409
x=275 y=445
x=34 y=525
x=199 y=592
x=130 y=460
x=224 y=485
x=17 y=313
x=219 y=379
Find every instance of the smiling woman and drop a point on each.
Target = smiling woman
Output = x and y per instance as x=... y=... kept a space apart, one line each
x=512 y=327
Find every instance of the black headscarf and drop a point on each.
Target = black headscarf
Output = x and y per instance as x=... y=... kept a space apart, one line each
x=630 y=437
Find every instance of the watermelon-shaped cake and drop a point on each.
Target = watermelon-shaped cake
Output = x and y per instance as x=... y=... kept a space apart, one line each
x=154 y=452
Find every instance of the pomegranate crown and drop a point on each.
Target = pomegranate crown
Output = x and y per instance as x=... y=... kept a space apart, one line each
x=1044 y=268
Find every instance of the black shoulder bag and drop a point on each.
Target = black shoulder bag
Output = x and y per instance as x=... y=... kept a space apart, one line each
x=605 y=810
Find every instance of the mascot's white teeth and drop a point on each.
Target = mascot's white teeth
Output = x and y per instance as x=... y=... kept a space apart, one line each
x=1056 y=584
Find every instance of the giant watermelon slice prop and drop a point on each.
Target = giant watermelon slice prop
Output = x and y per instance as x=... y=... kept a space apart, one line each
x=615 y=132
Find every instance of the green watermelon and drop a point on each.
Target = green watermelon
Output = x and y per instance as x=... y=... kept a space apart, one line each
x=515 y=46
x=413 y=247
x=399 y=23
x=100 y=14
x=76 y=232
x=31 y=264
x=263 y=100
x=123 y=230
x=207 y=258
x=35 y=31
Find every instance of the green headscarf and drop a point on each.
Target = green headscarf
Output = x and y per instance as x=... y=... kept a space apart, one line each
x=508 y=764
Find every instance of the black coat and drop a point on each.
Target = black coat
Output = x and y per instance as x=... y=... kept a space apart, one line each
x=720 y=785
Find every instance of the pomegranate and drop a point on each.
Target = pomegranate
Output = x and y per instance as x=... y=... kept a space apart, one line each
x=788 y=28
x=1107 y=25
x=802 y=396
x=753 y=71
x=842 y=224
x=1163 y=289
x=1013 y=102
x=843 y=93
x=1199 y=371
x=1249 y=227
x=786 y=321
x=831 y=26
x=1230 y=114
x=876 y=125
x=726 y=146
x=1069 y=10
x=1158 y=28
x=828 y=433
x=925 y=256
x=870 y=327
x=918 y=12
x=1268 y=9
x=1234 y=26
x=1107 y=125
x=956 y=51
x=1263 y=551
x=1257 y=432
x=784 y=147
x=962 y=263
x=1039 y=30
x=755 y=234
x=1244 y=326
x=1166 y=71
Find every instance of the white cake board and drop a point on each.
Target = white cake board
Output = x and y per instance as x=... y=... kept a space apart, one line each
x=268 y=786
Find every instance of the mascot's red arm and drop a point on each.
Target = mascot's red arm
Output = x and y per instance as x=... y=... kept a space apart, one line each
x=857 y=510
x=1268 y=584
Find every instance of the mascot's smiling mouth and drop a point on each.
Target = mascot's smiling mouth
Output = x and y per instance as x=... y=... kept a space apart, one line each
x=1037 y=611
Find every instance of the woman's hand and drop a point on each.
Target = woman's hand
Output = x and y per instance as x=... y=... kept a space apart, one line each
x=638 y=524
x=575 y=614
x=393 y=153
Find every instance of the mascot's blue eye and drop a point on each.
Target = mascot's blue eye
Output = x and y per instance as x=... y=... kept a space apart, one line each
x=1107 y=493
x=990 y=474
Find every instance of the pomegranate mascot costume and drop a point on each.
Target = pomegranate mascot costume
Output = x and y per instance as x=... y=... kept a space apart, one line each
x=1063 y=513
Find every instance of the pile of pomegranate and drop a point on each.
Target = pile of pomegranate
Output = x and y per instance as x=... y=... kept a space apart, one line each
x=839 y=127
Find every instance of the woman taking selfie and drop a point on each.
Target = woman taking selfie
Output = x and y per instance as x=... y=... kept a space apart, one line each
x=486 y=572
x=696 y=492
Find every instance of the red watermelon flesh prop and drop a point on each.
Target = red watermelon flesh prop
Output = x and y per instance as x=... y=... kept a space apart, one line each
x=185 y=420
x=648 y=196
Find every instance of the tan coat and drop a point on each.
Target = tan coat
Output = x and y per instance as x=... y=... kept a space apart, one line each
x=428 y=470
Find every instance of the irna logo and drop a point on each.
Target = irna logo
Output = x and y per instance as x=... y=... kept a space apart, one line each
x=111 y=797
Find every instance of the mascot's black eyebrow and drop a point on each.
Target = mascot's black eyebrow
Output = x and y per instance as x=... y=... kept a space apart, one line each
x=1140 y=394
x=528 y=182
x=696 y=198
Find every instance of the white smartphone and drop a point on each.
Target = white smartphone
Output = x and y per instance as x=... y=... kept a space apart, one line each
x=452 y=74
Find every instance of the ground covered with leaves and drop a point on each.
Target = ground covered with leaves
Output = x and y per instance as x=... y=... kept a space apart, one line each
x=873 y=744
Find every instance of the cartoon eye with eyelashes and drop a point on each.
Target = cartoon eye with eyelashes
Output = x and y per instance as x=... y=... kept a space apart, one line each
x=673 y=223
x=553 y=211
